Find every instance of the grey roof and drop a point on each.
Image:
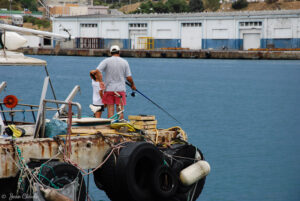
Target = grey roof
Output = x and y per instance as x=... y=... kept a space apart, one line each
x=184 y=15
x=115 y=12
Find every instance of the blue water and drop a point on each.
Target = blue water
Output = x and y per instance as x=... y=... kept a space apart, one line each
x=243 y=114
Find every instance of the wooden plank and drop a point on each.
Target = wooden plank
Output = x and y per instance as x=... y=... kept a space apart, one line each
x=141 y=117
x=143 y=123
x=89 y=120
x=95 y=130
x=143 y=127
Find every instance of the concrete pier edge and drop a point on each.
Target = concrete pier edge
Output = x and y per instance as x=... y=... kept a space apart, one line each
x=195 y=54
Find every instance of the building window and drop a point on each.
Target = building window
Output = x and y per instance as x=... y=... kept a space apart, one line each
x=89 y=25
x=138 y=25
x=251 y=24
x=197 y=24
x=47 y=41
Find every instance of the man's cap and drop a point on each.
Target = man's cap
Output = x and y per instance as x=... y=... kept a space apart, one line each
x=114 y=48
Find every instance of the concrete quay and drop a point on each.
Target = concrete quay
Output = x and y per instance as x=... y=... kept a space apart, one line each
x=196 y=54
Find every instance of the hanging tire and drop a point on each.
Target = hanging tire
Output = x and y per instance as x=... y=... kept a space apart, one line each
x=105 y=178
x=135 y=166
x=185 y=153
x=165 y=182
x=59 y=174
x=128 y=176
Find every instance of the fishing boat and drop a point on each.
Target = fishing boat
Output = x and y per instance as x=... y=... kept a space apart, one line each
x=48 y=157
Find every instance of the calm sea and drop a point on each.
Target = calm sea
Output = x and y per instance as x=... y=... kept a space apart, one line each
x=243 y=114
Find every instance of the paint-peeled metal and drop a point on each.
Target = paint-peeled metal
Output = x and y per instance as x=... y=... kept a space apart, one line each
x=86 y=151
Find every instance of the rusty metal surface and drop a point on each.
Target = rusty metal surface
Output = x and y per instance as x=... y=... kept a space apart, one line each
x=87 y=150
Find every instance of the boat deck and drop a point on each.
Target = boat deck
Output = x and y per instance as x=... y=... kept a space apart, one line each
x=89 y=144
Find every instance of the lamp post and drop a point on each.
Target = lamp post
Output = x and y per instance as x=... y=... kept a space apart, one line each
x=10 y=8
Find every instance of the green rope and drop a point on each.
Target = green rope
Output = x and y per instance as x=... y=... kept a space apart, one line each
x=166 y=163
x=42 y=166
x=21 y=158
x=53 y=172
x=115 y=117
x=51 y=168
x=50 y=182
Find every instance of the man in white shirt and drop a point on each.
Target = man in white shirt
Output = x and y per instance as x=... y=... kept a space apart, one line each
x=117 y=71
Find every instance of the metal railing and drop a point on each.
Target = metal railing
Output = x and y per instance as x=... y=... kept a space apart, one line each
x=45 y=101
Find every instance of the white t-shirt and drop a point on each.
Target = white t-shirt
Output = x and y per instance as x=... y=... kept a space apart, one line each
x=96 y=96
x=116 y=70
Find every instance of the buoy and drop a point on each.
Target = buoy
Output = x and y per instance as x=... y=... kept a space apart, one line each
x=10 y=101
x=12 y=40
x=194 y=172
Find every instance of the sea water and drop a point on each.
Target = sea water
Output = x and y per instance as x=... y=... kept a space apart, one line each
x=243 y=114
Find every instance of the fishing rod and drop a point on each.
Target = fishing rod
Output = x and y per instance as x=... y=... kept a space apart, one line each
x=153 y=103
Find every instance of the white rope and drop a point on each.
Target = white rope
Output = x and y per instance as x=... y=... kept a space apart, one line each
x=194 y=191
x=78 y=197
x=181 y=157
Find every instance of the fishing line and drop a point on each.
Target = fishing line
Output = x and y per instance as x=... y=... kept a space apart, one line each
x=132 y=94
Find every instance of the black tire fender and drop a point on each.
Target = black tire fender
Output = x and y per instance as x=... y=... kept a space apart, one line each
x=105 y=177
x=135 y=167
x=165 y=182
x=185 y=151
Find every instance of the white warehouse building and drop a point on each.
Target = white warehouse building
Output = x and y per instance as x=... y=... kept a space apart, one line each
x=230 y=30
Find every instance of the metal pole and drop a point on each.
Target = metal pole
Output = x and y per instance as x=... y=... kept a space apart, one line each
x=10 y=8
x=1 y=107
x=4 y=44
x=34 y=119
x=43 y=124
x=52 y=89
x=63 y=102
